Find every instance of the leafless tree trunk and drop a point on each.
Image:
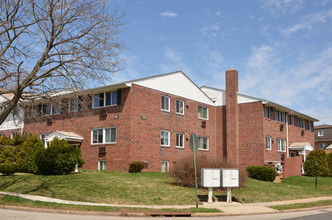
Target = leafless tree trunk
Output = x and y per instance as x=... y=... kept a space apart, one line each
x=51 y=45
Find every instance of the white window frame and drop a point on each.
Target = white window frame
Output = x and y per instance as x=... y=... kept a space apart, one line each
x=162 y=136
x=207 y=143
x=322 y=146
x=301 y=123
x=166 y=166
x=309 y=126
x=267 y=112
x=73 y=105
x=320 y=133
x=268 y=143
x=207 y=112
x=99 y=165
x=281 y=145
x=280 y=116
x=179 y=136
x=52 y=108
x=105 y=101
x=179 y=101
x=165 y=102
x=104 y=135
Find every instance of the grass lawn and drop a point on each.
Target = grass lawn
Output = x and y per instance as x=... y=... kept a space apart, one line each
x=153 y=188
x=302 y=205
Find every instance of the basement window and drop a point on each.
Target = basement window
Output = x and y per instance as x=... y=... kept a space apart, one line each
x=164 y=166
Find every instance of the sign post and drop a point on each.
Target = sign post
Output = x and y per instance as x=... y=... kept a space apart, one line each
x=194 y=148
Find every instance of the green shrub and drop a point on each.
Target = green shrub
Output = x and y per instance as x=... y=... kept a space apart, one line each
x=8 y=153
x=329 y=162
x=136 y=166
x=264 y=173
x=7 y=168
x=26 y=156
x=58 y=159
x=184 y=172
x=322 y=168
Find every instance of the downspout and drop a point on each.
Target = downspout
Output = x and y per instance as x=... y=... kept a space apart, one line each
x=287 y=144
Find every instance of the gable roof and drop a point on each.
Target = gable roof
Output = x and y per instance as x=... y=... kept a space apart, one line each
x=175 y=83
x=323 y=126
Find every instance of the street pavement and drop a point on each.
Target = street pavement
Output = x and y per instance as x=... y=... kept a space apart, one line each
x=233 y=208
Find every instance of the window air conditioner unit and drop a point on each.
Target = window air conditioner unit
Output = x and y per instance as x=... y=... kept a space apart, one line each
x=102 y=112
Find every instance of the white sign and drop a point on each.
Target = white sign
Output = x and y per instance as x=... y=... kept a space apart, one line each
x=230 y=177
x=210 y=177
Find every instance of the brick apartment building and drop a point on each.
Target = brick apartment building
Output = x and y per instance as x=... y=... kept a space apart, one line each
x=151 y=120
x=323 y=137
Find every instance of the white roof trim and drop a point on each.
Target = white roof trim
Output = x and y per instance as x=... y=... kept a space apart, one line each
x=62 y=136
x=301 y=146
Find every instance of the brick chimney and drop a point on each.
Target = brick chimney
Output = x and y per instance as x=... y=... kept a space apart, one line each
x=232 y=117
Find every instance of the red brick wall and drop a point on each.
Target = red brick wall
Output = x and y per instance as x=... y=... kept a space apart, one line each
x=232 y=117
x=272 y=128
x=145 y=134
x=137 y=139
x=8 y=133
x=292 y=166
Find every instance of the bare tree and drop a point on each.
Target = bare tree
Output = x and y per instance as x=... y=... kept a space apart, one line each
x=51 y=45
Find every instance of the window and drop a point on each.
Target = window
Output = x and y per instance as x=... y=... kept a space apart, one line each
x=102 y=165
x=73 y=105
x=179 y=106
x=268 y=143
x=267 y=112
x=104 y=135
x=292 y=154
x=164 y=166
x=203 y=112
x=291 y=120
x=31 y=112
x=179 y=140
x=320 y=133
x=322 y=145
x=203 y=143
x=165 y=103
x=105 y=99
x=301 y=123
x=51 y=108
x=280 y=116
x=164 y=138
x=309 y=126
x=281 y=144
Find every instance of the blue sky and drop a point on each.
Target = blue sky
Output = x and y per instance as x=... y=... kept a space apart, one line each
x=281 y=48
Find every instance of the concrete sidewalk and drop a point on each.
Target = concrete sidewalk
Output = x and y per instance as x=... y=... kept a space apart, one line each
x=233 y=208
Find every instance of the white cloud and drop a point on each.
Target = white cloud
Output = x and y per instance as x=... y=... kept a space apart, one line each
x=305 y=84
x=277 y=7
x=211 y=30
x=174 y=62
x=307 y=23
x=218 y=13
x=168 y=14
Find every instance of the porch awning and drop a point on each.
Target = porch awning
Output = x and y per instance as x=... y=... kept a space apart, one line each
x=64 y=135
x=301 y=146
x=329 y=147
